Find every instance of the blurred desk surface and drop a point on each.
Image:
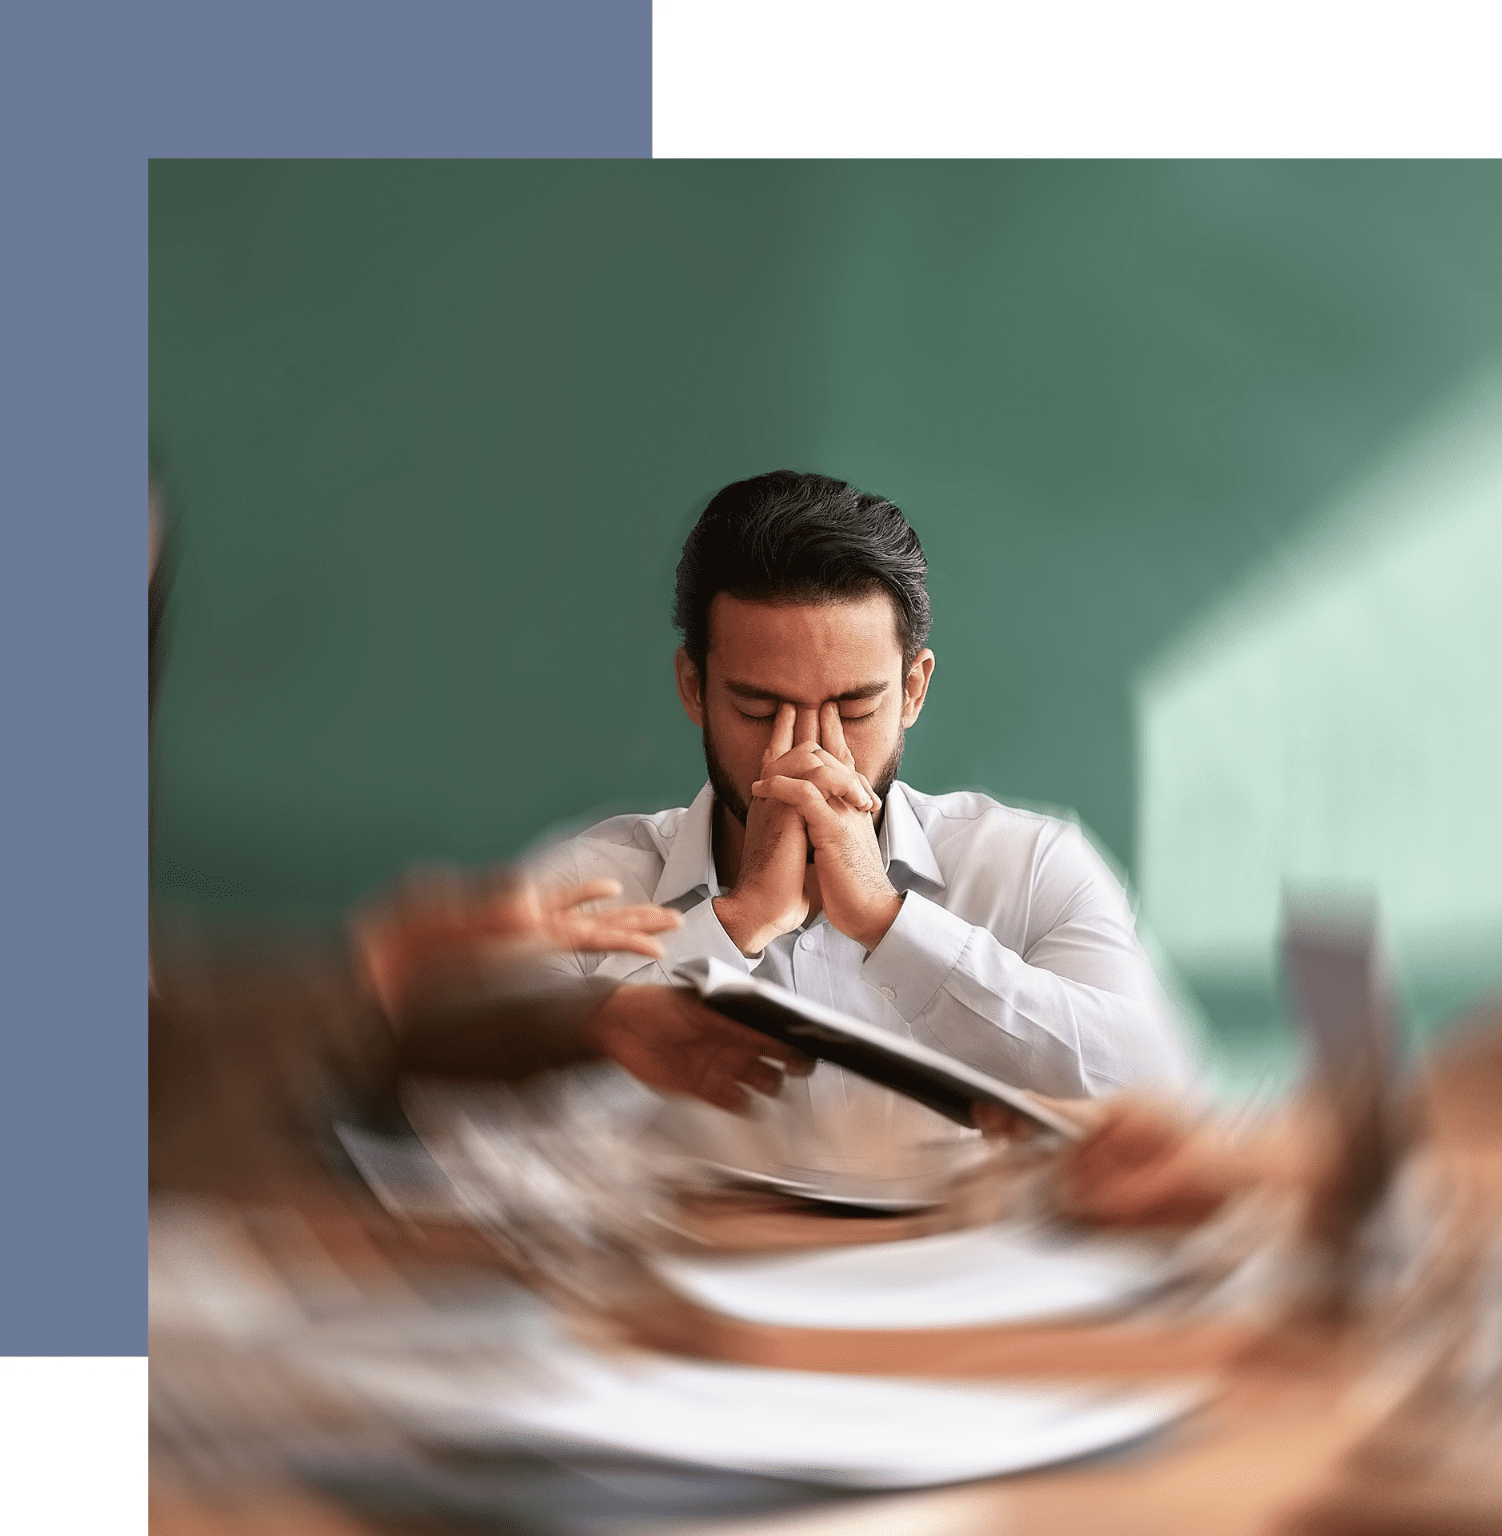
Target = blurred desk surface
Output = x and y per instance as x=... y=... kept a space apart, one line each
x=1270 y=1449
x=1270 y=1443
x=1241 y=1466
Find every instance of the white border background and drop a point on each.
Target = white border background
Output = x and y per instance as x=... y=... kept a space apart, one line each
x=73 y=1433
x=961 y=78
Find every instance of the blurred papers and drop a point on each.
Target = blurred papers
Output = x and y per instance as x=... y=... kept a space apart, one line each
x=846 y=1431
x=1008 y=1273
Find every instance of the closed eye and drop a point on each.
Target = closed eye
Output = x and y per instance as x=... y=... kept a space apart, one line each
x=760 y=719
x=856 y=719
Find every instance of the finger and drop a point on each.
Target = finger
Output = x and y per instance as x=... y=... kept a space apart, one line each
x=723 y=1079
x=875 y=798
x=806 y=754
x=1121 y=1132
x=833 y=780
x=798 y=793
x=730 y=1096
x=743 y=1045
x=803 y=761
x=562 y=897
x=1086 y=1114
x=809 y=760
x=714 y=1086
x=794 y=1063
x=832 y=734
x=603 y=938
x=834 y=759
x=762 y=1077
x=648 y=919
x=616 y=940
x=782 y=734
x=795 y=761
x=806 y=727
x=867 y=800
x=993 y=1119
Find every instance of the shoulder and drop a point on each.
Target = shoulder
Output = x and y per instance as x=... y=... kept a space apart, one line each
x=636 y=843
x=967 y=816
x=647 y=830
x=981 y=845
x=633 y=829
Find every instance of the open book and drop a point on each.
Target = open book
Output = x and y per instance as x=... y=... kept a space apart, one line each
x=927 y=1076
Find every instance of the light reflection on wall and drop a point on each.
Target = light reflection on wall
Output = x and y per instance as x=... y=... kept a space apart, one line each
x=1340 y=720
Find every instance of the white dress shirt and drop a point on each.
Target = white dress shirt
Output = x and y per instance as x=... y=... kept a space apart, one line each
x=1014 y=950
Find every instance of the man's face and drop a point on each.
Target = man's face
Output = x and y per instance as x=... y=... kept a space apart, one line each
x=806 y=654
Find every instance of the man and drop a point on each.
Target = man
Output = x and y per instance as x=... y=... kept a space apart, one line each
x=995 y=935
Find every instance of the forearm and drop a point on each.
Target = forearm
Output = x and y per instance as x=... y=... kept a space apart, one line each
x=528 y=1019
x=504 y=1038
x=965 y=993
x=256 y=1042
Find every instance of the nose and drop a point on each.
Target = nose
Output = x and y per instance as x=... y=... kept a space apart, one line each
x=805 y=725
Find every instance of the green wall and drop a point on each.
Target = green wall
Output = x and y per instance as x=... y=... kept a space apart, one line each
x=437 y=430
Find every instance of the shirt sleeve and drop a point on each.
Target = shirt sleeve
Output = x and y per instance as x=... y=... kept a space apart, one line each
x=1079 y=1012
x=700 y=937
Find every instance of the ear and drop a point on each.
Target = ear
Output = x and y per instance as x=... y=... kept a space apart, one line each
x=690 y=687
x=915 y=687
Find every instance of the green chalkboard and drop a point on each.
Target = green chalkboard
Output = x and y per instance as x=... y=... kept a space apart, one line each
x=436 y=431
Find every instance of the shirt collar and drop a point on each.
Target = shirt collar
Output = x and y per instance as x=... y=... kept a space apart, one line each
x=689 y=858
x=903 y=842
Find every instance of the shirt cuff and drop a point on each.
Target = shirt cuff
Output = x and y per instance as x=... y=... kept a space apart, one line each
x=701 y=938
x=916 y=955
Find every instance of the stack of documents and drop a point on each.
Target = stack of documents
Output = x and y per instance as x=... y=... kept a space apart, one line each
x=566 y=1399
x=836 y=1430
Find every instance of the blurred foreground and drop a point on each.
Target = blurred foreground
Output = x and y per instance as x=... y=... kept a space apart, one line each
x=414 y=1304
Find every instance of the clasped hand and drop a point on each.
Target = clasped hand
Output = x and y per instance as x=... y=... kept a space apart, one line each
x=810 y=794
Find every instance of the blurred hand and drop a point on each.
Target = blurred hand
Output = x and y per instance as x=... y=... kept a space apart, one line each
x=997 y=1120
x=1145 y=1163
x=671 y=1042
x=436 y=923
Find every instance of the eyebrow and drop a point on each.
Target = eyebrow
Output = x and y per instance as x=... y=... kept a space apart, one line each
x=850 y=695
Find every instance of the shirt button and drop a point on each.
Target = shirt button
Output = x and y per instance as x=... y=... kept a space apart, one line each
x=890 y=993
x=807 y=941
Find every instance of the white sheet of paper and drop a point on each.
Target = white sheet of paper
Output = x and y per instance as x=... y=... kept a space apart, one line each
x=1008 y=1273
x=855 y=1431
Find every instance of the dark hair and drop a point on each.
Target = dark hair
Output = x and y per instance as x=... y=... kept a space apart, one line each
x=788 y=537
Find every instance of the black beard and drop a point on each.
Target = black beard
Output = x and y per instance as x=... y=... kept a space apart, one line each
x=719 y=781
x=730 y=797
